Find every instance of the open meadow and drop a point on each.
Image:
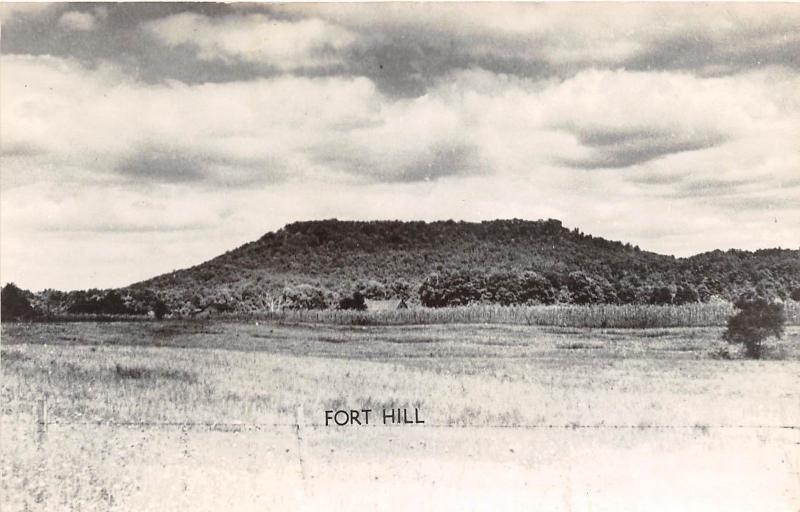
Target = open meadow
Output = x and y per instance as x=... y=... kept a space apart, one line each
x=200 y=415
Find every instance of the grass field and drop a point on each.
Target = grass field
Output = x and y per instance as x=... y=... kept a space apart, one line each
x=202 y=415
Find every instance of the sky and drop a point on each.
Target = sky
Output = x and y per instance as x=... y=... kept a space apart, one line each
x=138 y=139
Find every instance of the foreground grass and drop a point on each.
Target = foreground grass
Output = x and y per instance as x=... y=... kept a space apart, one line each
x=144 y=417
x=189 y=372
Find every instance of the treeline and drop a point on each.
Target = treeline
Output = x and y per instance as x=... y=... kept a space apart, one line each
x=19 y=304
x=438 y=290
x=531 y=288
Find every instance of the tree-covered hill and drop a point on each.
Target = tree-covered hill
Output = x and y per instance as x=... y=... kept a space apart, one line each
x=392 y=258
x=320 y=263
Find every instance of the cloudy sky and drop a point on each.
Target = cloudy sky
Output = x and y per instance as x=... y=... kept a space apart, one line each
x=141 y=138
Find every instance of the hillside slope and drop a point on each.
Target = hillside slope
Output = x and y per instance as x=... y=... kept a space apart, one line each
x=390 y=258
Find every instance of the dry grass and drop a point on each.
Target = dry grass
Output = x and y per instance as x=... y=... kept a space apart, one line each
x=231 y=372
x=156 y=377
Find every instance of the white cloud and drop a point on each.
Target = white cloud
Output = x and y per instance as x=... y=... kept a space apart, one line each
x=75 y=20
x=251 y=124
x=308 y=43
x=94 y=161
x=566 y=34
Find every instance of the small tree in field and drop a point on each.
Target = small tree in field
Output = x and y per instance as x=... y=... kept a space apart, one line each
x=755 y=321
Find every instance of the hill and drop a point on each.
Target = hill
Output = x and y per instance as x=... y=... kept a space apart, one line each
x=392 y=259
x=317 y=263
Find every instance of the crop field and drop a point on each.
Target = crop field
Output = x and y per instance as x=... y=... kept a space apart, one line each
x=628 y=316
x=191 y=415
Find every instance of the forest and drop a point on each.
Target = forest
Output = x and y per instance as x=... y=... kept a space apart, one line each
x=335 y=264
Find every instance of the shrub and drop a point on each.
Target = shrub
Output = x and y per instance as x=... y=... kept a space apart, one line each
x=756 y=319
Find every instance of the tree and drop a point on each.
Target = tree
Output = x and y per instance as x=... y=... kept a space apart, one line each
x=756 y=319
x=501 y=288
x=305 y=296
x=536 y=289
x=686 y=294
x=401 y=289
x=160 y=309
x=450 y=289
x=661 y=295
x=14 y=305
x=628 y=290
x=355 y=301
x=586 y=288
x=113 y=304
x=371 y=289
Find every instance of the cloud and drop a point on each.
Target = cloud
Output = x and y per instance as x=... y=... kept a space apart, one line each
x=417 y=44
x=427 y=162
x=469 y=122
x=233 y=134
x=161 y=164
x=623 y=148
x=255 y=38
x=474 y=115
x=405 y=49
x=74 y=20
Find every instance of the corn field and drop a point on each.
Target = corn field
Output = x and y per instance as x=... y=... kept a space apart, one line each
x=602 y=315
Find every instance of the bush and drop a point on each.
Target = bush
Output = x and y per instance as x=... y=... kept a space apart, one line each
x=756 y=320
x=14 y=305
